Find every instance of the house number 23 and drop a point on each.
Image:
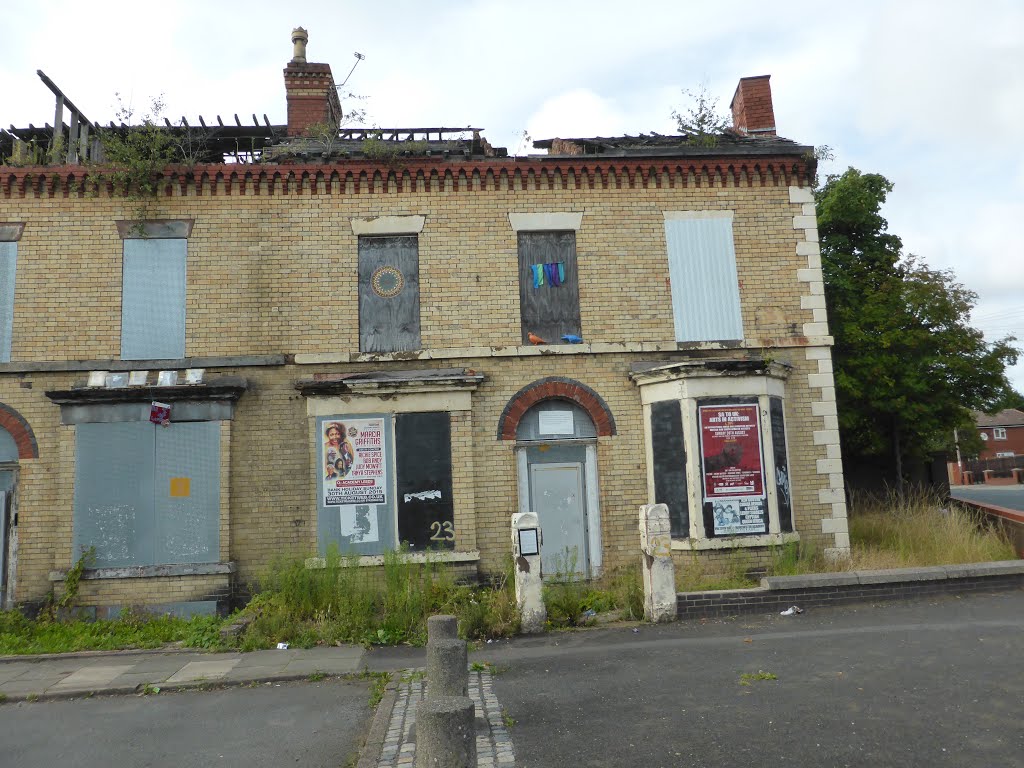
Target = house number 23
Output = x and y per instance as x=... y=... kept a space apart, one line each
x=442 y=531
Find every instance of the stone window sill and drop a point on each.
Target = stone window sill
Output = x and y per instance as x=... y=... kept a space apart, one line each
x=150 y=571
x=367 y=561
x=734 y=542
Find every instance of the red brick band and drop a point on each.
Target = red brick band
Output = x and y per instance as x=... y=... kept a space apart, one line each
x=22 y=433
x=556 y=388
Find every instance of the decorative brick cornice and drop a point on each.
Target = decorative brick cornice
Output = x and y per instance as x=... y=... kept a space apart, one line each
x=423 y=174
x=555 y=388
x=20 y=430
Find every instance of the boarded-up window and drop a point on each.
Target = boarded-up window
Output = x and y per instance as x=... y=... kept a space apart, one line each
x=702 y=268
x=404 y=476
x=423 y=458
x=389 y=294
x=8 y=268
x=153 y=299
x=146 y=494
x=783 y=490
x=549 y=292
x=670 y=464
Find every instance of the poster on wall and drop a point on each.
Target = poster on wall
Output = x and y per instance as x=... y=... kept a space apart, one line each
x=352 y=466
x=733 y=472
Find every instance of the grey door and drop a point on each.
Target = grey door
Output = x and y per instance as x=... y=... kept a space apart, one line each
x=557 y=496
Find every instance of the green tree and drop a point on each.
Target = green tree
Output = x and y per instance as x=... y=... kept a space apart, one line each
x=908 y=364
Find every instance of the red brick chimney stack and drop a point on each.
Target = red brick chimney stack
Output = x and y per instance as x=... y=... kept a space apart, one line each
x=751 y=106
x=312 y=97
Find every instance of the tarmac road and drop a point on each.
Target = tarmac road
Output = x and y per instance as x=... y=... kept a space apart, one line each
x=1008 y=496
x=301 y=724
x=921 y=683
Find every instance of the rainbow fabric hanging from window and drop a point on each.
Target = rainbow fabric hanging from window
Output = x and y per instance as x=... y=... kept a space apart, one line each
x=552 y=272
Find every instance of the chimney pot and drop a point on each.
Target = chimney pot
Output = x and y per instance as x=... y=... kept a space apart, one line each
x=299 y=39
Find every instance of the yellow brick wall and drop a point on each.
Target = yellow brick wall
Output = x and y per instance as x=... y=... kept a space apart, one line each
x=277 y=274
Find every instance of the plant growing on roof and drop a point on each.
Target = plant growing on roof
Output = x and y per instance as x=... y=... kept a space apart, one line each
x=700 y=120
x=136 y=154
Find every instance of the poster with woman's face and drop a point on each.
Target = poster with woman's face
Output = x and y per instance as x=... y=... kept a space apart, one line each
x=352 y=462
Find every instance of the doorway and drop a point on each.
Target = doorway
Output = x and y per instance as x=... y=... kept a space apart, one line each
x=557 y=467
x=8 y=530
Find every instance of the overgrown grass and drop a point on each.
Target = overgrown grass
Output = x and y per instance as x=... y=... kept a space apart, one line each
x=342 y=603
x=19 y=635
x=575 y=603
x=917 y=531
x=920 y=532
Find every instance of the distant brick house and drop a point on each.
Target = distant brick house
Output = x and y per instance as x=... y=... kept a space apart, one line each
x=1002 y=433
x=308 y=343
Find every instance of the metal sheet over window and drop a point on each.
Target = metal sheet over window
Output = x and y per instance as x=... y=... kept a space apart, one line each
x=705 y=287
x=8 y=268
x=356 y=528
x=389 y=294
x=153 y=300
x=187 y=493
x=147 y=495
x=113 y=482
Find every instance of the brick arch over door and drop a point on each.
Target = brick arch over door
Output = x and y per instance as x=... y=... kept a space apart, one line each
x=22 y=433
x=556 y=388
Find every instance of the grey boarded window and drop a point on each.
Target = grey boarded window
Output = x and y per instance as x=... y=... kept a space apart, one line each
x=702 y=268
x=146 y=494
x=153 y=299
x=8 y=268
x=548 y=309
x=389 y=294
x=669 y=454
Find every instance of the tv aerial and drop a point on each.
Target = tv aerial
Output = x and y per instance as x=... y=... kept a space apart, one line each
x=359 y=57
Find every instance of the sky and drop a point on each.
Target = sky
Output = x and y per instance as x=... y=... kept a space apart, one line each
x=928 y=94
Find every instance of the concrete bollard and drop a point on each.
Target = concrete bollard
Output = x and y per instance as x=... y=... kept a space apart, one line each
x=446 y=732
x=446 y=668
x=526 y=544
x=442 y=627
x=660 y=602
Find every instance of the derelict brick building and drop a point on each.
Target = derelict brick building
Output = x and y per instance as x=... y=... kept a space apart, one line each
x=325 y=340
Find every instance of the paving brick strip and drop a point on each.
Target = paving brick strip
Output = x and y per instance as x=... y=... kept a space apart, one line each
x=493 y=743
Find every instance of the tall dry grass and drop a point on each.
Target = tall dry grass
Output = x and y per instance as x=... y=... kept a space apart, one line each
x=920 y=531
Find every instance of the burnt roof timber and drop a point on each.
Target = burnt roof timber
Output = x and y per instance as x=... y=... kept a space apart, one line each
x=60 y=95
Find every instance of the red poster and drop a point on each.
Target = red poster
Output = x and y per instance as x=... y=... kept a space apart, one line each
x=730 y=439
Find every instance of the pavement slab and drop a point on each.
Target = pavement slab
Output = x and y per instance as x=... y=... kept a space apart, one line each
x=203 y=671
x=92 y=677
